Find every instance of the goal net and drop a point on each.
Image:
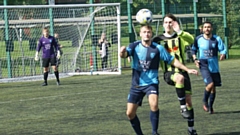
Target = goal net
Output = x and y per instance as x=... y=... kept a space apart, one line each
x=79 y=28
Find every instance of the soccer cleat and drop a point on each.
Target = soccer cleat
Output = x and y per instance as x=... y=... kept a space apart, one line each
x=193 y=132
x=155 y=134
x=44 y=84
x=185 y=113
x=211 y=111
x=205 y=107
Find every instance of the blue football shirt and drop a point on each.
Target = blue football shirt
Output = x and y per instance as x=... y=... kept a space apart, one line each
x=146 y=61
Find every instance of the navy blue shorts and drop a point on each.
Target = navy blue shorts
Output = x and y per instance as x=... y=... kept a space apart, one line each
x=137 y=93
x=209 y=77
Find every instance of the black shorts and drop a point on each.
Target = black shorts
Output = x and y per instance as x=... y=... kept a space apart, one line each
x=46 y=61
x=187 y=84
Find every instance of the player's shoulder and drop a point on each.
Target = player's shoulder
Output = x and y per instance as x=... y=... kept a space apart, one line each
x=216 y=37
x=158 y=38
x=199 y=36
x=135 y=43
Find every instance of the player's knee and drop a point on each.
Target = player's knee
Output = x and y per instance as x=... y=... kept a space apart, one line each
x=130 y=114
x=179 y=78
x=210 y=86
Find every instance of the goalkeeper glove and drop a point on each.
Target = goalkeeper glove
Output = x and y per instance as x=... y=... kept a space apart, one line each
x=58 y=54
x=36 y=56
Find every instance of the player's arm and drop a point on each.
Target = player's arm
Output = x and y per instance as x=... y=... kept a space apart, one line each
x=194 y=51
x=176 y=63
x=57 y=48
x=187 y=37
x=222 y=48
x=39 y=46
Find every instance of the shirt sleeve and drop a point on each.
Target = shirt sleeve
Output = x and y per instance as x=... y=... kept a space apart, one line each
x=39 y=46
x=187 y=37
x=195 y=48
x=164 y=55
x=221 y=46
x=55 y=44
x=130 y=49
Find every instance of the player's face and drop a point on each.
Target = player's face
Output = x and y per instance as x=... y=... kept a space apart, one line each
x=167 y=24
x=45 y=33
x=207 y=29
x=146 y=34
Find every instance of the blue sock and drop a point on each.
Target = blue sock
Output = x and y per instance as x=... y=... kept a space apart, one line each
x=206 y=96
x=154 y=117
x=136 y=125
x=212 y=99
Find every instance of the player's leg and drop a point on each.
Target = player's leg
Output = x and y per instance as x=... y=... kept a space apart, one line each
x=152 y=92
x=179 y=85
x=45 y=64
x=134 y=100
x=217 y=82
x=206 y=75
x=55 y=69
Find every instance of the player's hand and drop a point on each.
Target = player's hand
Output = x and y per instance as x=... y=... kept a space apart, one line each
x=192 y=71
x=222 y=56
x=123 y=52
x=176 y=26
x=58 y=55
x=197 y=63
x=36 y=57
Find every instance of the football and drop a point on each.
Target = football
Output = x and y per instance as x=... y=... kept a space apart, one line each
x=144 y=16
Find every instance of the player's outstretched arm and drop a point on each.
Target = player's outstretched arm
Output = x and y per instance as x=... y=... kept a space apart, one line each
x=179 y=65
x=123 y=52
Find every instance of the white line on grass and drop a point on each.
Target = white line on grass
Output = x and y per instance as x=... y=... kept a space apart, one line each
x=47 y=97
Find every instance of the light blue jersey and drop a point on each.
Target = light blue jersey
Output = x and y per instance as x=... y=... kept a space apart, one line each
x=208 y=51
x=146 y=62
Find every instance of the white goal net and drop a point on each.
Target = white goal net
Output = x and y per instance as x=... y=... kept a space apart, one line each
x=79 y=29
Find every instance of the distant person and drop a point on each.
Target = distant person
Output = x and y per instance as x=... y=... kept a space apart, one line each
x=146 y=56
x=208 y=46
x=103 y=44
x=48 y=45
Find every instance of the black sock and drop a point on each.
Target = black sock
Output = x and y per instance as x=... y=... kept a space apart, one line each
x=181 y=93
x=206 y=96
x=212 y=99
x=191 y=118
x=45 y=76
x=154 y=117
x=57 y=75
x=136 y=125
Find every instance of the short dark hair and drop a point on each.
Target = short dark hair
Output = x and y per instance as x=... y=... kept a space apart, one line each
x=169 y=15
x=207 y=22
x=147 y=26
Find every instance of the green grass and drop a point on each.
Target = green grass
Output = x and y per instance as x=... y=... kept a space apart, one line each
x=86 y=105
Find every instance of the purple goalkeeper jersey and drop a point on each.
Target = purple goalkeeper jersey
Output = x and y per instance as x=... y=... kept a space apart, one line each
x=47 y=44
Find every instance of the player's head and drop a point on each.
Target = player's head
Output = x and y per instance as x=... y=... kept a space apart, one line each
x=167 y=22
x=207 y=28
x=45 y=32
x=201 y=28
x=146 y=33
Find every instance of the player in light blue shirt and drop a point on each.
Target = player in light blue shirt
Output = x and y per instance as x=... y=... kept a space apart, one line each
x=208 y=46
x=146 y=56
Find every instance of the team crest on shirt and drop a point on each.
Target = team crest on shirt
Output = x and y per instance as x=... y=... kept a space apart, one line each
x=50 y=40
x=152 y=55
x=213 y=45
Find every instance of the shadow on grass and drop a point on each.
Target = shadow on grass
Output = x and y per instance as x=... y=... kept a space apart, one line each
x=231 y=133
x=227 y=112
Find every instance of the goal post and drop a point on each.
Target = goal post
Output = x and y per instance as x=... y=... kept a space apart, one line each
x=79 y=28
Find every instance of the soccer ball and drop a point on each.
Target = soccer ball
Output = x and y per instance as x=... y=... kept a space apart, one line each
x=144 y=16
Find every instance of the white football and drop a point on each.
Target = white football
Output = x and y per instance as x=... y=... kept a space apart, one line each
x=144 y=16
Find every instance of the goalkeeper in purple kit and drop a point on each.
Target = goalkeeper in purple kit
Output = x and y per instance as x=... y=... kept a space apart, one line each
x=48 y=45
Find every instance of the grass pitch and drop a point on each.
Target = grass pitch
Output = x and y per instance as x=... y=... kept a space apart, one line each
x=95 y=105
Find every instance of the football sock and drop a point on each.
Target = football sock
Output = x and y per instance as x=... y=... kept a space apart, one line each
x=57 y=75
x=45 y=76
x=206 y=96
x=191 y=119
x=154 y=117
x=212 y=98
x=180 y=93
x=136 y=125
